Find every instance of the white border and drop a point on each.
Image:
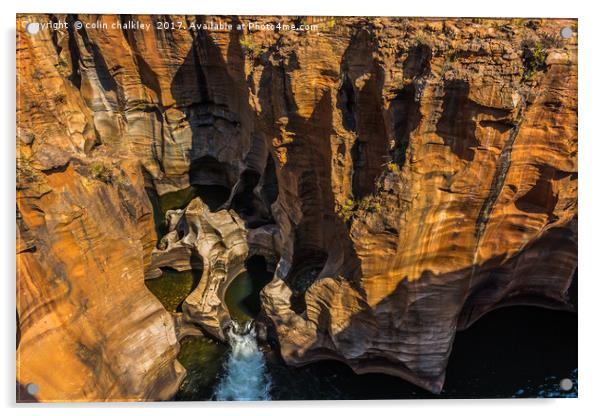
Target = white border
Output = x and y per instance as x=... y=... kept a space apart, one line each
x=590 y=182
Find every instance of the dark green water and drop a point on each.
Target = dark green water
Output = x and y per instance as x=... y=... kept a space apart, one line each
x=511 y=352
x=242 y=296
x=203 y=359
x=173 y=287
x=201 y=356
x=236 y=297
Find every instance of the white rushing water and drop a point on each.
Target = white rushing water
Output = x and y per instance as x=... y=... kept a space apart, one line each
x=245 y=372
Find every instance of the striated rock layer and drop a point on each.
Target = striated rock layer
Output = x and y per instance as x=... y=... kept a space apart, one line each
x=404 y=176
x=89 y=329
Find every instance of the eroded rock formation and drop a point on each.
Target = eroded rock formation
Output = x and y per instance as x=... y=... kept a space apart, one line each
x=219 y=239
x=406 y=176
x=88 y=328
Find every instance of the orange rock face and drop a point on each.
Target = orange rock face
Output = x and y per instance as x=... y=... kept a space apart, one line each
x=473 y=208
x=408 y=176
x=88 y=327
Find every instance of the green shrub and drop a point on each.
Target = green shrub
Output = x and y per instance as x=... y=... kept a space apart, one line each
x=25 y=171
x=101 y=171
x=250 y=48
x=534 y=58
x=346 y=211
x=370 y=204
x=551 y=41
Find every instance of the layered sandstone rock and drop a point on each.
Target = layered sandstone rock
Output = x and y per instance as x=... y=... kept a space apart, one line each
x=406 y=175
x=475 y=209
x=89 y=329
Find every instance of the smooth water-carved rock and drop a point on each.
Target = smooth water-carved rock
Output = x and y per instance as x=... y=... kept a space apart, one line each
x=475 y=210
x=219 y=239
x=265 y=242
x=405 y=176
x=222 y=243
x=175 y=249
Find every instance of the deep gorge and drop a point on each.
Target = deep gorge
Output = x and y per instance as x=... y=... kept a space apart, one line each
x=522 y=372
x=378 y=197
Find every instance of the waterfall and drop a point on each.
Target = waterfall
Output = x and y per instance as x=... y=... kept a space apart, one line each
x=245 y=373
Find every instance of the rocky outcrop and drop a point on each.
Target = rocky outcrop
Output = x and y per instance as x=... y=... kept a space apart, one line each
x=405 y=176
x=265 y=242
x=219 y=244
x=475 y=207
x=219 y=240
x=175 y=249
x=88 y=328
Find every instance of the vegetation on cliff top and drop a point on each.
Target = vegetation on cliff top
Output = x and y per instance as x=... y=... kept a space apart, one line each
x=535 y=52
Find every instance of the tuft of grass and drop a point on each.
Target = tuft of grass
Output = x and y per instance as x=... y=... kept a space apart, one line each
x=370 y=204
x=534 y=58
x=347 y=209
x=101 y=172
x=393 y=167
x=251 y=48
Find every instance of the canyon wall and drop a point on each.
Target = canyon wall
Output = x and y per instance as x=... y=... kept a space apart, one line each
x=408 y=176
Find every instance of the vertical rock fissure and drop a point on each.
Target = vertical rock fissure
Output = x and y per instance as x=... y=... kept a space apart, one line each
x=405 y=109
x=499 y=177
x=75 y=76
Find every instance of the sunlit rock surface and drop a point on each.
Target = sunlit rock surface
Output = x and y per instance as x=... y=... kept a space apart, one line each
x=418 y=173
